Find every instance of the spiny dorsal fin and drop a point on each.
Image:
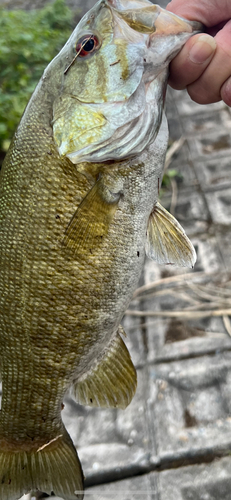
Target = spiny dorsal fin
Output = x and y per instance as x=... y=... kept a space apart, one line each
x=92 y=219
x=166 y=241
x=111 y=383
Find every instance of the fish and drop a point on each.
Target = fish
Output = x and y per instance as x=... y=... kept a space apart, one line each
x=79 y=211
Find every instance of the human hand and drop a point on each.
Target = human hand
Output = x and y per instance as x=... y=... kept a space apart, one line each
x=204 y=63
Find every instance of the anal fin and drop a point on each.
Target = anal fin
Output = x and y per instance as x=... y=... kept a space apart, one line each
x=166 y=241
x=112 y=381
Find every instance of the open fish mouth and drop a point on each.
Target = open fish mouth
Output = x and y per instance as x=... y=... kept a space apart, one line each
x=115 y=111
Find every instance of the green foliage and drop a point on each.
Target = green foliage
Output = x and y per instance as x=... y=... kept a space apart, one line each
x=170 y=174
x=28 y=41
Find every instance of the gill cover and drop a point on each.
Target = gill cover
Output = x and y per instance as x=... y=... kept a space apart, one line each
x=111 y=99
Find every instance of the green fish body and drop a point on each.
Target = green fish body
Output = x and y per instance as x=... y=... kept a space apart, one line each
x=78 y=211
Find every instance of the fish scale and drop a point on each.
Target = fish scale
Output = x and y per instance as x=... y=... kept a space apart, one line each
x=36 y=284
x=78 y=210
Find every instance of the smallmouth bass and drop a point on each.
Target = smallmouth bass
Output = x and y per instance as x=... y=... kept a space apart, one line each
x=78 y=210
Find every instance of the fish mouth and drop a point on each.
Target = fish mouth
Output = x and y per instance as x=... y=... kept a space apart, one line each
x=125 y=115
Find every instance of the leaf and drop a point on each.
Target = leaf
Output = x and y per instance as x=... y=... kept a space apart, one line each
x=28 y=41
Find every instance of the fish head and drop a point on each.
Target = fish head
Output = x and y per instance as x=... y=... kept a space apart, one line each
x=114 y=69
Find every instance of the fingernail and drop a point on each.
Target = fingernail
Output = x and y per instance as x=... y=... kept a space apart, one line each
x=202 y=49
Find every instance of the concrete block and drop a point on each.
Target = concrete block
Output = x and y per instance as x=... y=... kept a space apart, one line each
x=190 y=411
x=136 y=488
x=213 y=173
x=220 y=206
x=215 y=144
x=223 y=235
x=110 y=442
x=198 y=482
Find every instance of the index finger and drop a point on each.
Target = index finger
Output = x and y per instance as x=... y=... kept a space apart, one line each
x=209 y=13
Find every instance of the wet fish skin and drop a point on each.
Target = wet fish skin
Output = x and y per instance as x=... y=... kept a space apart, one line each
x=74 y=209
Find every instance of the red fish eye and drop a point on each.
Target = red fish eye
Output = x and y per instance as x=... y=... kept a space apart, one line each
x=86 y=45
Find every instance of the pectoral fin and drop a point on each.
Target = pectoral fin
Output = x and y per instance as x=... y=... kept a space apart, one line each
x=111 y=383
x=167 y=242
x=92 y=219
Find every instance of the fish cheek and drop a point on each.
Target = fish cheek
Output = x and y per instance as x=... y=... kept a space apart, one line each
x=87 y=79
x=75 y=78
x=101 y=79
x=75 y=125
x=123 y=60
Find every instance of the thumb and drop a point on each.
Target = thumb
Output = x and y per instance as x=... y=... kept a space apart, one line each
x=192 y=60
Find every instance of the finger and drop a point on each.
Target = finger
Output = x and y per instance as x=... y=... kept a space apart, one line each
x=226 y=92
x=208 y=13
x=192 y=60
x=208 y=87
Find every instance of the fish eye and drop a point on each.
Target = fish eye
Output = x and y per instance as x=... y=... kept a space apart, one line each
x=86 y=45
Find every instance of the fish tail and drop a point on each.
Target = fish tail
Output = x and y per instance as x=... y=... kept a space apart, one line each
x=54 y=467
